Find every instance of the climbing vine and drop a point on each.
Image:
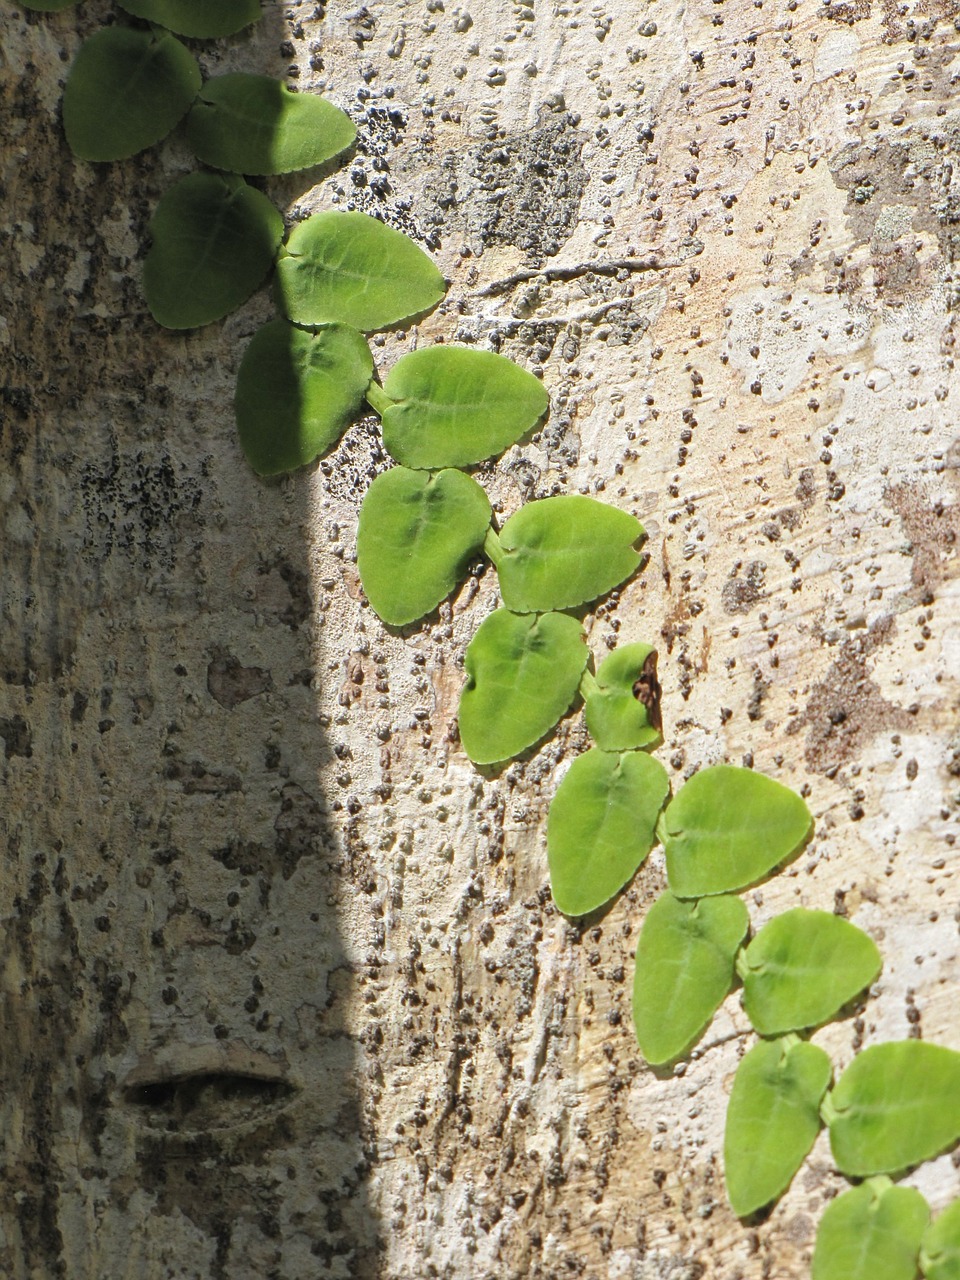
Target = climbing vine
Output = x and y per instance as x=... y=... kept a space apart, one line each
x=303 y=378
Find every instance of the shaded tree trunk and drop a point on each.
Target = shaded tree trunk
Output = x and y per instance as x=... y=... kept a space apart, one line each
x=284 y=992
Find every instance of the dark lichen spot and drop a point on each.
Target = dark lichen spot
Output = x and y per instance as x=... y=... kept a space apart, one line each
x=17 y=737
x=744 y=588
x=846 y=11
x=806 y=489
x=142 y=505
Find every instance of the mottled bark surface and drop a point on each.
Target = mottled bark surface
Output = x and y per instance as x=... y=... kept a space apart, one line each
x=284 y=993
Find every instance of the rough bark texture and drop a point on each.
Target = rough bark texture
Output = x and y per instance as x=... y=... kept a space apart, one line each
x=284 y=993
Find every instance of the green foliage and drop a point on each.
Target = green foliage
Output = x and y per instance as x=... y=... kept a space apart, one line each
x=802 y=968
x=297 y=391
x=200 y=18
x=871 y=1232
x=895 y=1105
x=685 y=960
x=772 y=1120
x=727 y=828
x=255 y=124
x=622 y=708
x=602 y=825
x=47 y=6
x=126 y=90
x=418 y=531
x=455 y=406
x=522 y=675
x=214 y=239
x=349 y=267
x=561 y=552
x=940 y=1247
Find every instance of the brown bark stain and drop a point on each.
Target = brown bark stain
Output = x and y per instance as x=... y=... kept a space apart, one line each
x=846 y=709
x=933 y=528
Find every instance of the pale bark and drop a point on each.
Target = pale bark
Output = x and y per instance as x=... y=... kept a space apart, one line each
x=239 y=834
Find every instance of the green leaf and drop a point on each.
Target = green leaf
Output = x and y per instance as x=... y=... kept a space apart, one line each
x=454 y=406
x=214 y=239
x=772 y=1120
x=601 y=826
x=47 y=6
x=561 y=552
x=522 y=674
x=418 y=531
x=895 y=1105
x=728 y=827
x=940 y=1247
x=297 y=392
x=802 y=967
x=125 y=91
x=871 y=1232
x=205 y=19
x=623 y=711
x=685 y=962
x=255 y=124
x=352 y=268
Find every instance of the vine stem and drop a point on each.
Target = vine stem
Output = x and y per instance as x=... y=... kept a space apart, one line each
x=377 y=398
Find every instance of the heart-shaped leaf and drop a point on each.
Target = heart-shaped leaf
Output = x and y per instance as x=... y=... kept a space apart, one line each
x=454 y=406
x=418 y=531
x=214 y=239
x=895 y=1105
x=255 y=124
x=728 y=827
x=623 y=709
x=685 y=961
x=601 y=826
x=352 y=268
x=561 y=552
x=772 y=1119
x=125 y=91
x=871 y=1232
x=802 y=967
x=297 y=392
x=523 y=671
x=205 y=19
x=940 y=1247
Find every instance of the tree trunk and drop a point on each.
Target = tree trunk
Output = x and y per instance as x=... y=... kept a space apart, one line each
x=284 y=991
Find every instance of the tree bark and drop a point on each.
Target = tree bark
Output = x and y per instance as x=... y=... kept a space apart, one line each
x=284 y=991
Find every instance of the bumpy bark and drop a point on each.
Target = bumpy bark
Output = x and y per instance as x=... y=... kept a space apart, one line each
x=284 y=993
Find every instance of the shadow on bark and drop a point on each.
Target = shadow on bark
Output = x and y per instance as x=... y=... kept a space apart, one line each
x=179 y=1079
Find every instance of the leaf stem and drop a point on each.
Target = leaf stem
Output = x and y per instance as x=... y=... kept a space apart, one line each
x=588 y=685
x=377 y=398
x=492 y=548
x=828 y=1112
x=660 y=830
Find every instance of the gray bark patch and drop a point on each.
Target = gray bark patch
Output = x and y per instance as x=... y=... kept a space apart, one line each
x=524 y=191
